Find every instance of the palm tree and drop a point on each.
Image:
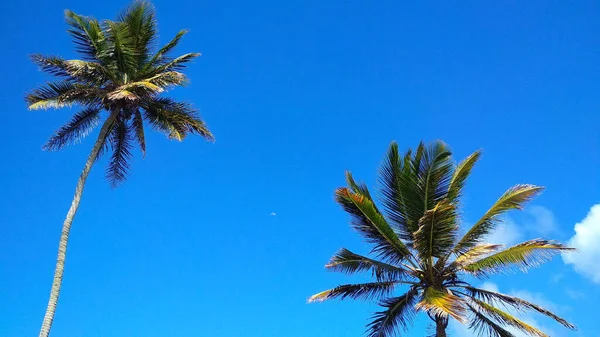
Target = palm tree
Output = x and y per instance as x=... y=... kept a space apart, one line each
x=417 y=244
x=121 y=73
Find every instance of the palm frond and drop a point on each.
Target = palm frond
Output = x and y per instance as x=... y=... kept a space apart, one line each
x=398 y=314
x=441 y=303
x=461 y=173
x=367 y=220
x=138 y=126
x=393 y=192
x=175 y=119
x=422 y=183
x=134 y=91
x=507 y=319
x=437 y=231
x=434 y=174
x=163 y=52
x=141 y=22
x=168 y=79
x=62 y=94
x=512 y=199
x=492 y=297
x=359 y=188
x=475 y=253
x=123 y=58
x=177 y=64
x=87 y=35
x=366 y=291
x=120 y=142
x=349 y=263
x=485 y=325
x=78 y=71
x=77 y=128
x=524 y=255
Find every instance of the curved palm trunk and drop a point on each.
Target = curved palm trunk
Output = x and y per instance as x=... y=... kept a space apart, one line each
x=64 y=236
x=440 y=326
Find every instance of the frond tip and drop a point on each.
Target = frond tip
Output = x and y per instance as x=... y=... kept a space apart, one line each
x=366 y=291
x=345 y=261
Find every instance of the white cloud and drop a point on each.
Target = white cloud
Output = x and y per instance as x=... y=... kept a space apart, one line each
x=539 y=221
x=506 y=233
x=586 y=238
x=490 y=286
x=543 y=222
x=557 y=277
x=273 y=214
x=574 y=294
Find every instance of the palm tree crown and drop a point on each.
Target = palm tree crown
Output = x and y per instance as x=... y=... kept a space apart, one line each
x=121 y=72
x=417 y=244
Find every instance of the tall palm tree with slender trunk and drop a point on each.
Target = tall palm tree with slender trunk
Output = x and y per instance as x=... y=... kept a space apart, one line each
x=121 y=76
x=417 y=244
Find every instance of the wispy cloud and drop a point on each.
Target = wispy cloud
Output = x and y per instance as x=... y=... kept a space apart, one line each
x=542 y=222
x=273 y=214
x=557 y=277
x=574 y=294
x=507 y=233
x=586 y=238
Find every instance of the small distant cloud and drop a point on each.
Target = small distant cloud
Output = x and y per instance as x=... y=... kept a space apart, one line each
x=539 y=221
x=574 y=294
x=557 y=278
x=586 y=238
x=490 y=286
x=273 y=214
x=543 y=220
x=506 y=233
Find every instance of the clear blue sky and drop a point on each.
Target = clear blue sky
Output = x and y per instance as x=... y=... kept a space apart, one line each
x=296 y=92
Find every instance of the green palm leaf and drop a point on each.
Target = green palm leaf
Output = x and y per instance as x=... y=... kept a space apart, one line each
x=349 y=263
x=435 y=174
x=508 y=319
x=514 y=198
x=88 y=36
x=437 y=231
x=120 y=142
x=442 y=303
x=399 y=312
x=474 y=254
x=366 y=291
x=493 y=297
x=524 y=255
x=77 y=128
x=461 y=173
x=372 y=225
x=175 y=119
x=141 y=23
x=395 y=192
x=62 y=94
x=138 y=126
x=163 y=52
x=485 y=325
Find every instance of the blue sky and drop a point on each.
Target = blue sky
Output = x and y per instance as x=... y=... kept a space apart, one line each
x=296 y=92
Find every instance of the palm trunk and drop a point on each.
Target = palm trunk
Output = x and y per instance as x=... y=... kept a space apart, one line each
x=440 y=326
x=64 y=236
